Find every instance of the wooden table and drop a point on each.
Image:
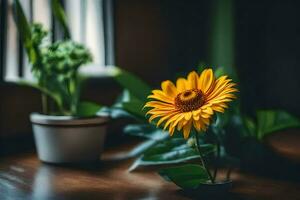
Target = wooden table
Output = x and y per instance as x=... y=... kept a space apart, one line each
x=25 y=177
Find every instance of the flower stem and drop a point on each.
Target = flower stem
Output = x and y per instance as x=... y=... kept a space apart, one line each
x=217 y=161
x=202 y=160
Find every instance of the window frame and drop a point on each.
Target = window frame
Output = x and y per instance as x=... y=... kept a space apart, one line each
x=109 y=38
x=26 y=100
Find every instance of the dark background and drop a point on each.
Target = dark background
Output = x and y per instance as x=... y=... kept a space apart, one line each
x=157 y=39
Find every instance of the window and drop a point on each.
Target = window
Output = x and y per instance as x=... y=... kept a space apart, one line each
x=92 y=28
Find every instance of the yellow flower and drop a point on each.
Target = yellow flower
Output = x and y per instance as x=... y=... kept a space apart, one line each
x=192 y=102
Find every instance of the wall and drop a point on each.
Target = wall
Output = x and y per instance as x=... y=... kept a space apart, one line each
x=156 y=39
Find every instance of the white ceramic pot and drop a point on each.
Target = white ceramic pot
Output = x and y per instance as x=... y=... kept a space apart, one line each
x=65 y=139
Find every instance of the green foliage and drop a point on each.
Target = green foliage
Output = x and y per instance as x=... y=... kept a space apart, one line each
x=127 y=106
x=87 y=109
x=55 y=97
x=54 y=66
x=147 y=131
x=171 y=151
x=270 y=121
x=188 y=176
x=160 y=149
x=60 y=15
x=137 y=87
x=265 y=123
x=249 y=126
x=24 y=30
x=133 y=98
x=38 y=34
x=135 y=108
x=63 y=58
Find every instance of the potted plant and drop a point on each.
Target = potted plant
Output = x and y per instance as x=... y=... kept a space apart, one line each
x=67 y=130
x=243 y=139
x=188 y=107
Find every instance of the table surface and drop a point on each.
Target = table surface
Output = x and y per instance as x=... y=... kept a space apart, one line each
x=25 y=177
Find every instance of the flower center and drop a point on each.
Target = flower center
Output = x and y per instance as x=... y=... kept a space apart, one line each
x=189 y=100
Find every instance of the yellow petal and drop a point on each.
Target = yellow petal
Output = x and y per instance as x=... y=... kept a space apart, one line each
x=206 y=80
x=225 y=96
x=152 y=117
x=187 y=129
x=161 y=120
x=204 y=115
x=156 y=112
x=160 y=95
x=208 y=110
x=171 y=130
x=223 y=105
x=207 y=104
x=181 y=116
x=180 y=125
x=160 y=111
x=157 y=107
x=206 y=120
x=219 y=92
x=214 y=102
x=169 y=88
x=187 y=115
x=181 y=84
x=196 y=117
x=218 y=86
x=222 y=86
x=218 y=109
x=197 y=125
x=192 y=80
x=161 y=98
x=158 y=104
x=172 y=119
x=196 y=112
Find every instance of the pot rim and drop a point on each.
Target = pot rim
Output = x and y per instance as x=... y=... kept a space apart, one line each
x=53 y=120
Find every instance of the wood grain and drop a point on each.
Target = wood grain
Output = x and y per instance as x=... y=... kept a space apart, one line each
x=24 y=177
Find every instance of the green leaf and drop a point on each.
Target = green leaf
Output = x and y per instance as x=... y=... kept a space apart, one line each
x=127 y=106
x=60 y=15
x=54 y=96
x=87 y=109
x=115 y=112
x=125 y=96
x=171 y=151
x=176 y=155
x=146 y=131
x=201 y=66
x=220 y=71
x=187 y=176
x=136 y=86
x=21 y=21
x=24 y=30
x=270 y=121
x=135 y=108
x=140 y=149
x=169 y=145
x=250 y=125
x=153 y=134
